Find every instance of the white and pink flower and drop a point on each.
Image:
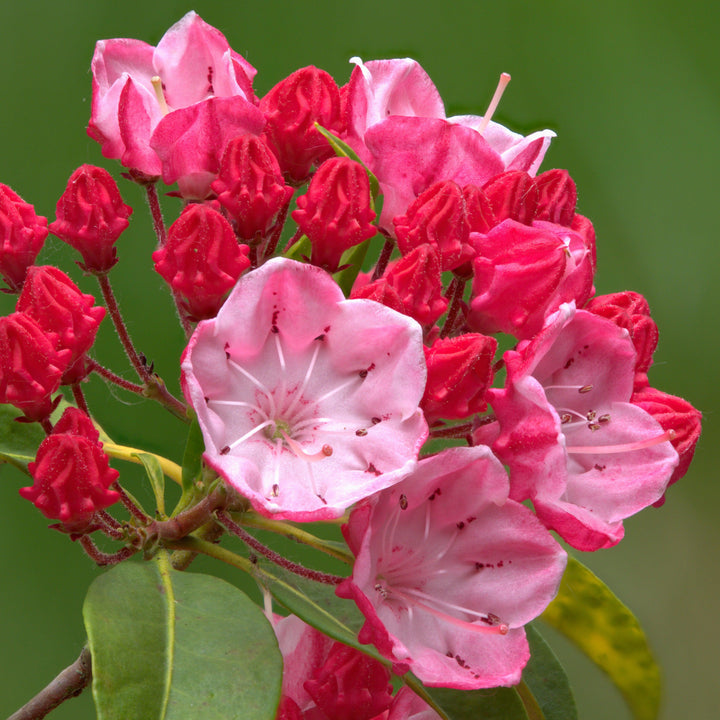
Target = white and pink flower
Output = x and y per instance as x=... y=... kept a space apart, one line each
x=308 y=402
x=575 y=444
x=448 y=570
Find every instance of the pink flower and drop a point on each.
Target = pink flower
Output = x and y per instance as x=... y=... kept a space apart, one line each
x=138 y=89
x=448 y=570
x=307 y=402
x=397 y=124
x=574 y=443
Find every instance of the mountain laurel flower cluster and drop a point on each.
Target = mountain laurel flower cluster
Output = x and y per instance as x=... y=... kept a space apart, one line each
x=390 y=327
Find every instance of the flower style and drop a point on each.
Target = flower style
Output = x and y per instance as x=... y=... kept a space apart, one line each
x=574 y=442
x=448 y=570
x=171 y=109
x=308 y=402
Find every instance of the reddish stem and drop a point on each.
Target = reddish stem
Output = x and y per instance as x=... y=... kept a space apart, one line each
x=276 y=232
x=130 y=506
x=156 y=212
x=455 y=431
x=384 y=259
x=226 y=521
x=102 y=558
x=79 y=396
x=110 y=376
x=292 y=240
x=458 y=287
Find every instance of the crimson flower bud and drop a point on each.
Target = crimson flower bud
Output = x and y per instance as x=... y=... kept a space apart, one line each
x=512 y=195
x=557 y=197
x=418 y=282
x=250 y=186
x=292 y=108
x=478 y=208
x=91 y=216
x=437 y=216
x=201 y=260
x=68 y=317
x=460 y=370
x=71 y=477
x=30 y=366
x=335 y=211
x=630 y=310
x=380 y=291
x=350 y=685
x=22 y=234
x=75 y=422
x=673 y=413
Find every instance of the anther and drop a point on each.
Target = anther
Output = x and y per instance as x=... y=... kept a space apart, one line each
x=403 y=502
x=159 y=94
x=326 y=450
x=585 y=389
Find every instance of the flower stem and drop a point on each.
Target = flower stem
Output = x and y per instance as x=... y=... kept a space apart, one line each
x=79 y=397
x=102 y=558
x=68 y=684
x=227 y=522
x=457 y=288
x=384 y=259
x=156 y=213
x=110 y=376
x=276 y=232
x=252 y=519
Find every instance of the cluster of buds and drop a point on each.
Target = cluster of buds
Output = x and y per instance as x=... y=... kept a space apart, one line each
x=317 y=372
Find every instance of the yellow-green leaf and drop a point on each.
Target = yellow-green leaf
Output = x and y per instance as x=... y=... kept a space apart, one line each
x=591 y=616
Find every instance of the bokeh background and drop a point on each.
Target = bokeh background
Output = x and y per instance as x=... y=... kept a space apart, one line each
x=632 y=91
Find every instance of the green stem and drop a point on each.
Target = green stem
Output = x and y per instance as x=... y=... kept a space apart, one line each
x=130 y=454
x=251 y=519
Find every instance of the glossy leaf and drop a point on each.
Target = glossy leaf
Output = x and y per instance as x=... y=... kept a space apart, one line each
x=491 y=704
x=591 y=616
x=170 y=645
x=546 y=679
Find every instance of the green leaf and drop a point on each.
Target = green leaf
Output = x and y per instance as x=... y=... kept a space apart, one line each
x=354 y=259
x=316 y=604
x=156 y=477
x=492 y=704
x=170 y=645
x=545 y=678
x=19 y=441
x=592 y=617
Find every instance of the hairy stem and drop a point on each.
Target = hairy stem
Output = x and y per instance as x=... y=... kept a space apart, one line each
x=68 y=684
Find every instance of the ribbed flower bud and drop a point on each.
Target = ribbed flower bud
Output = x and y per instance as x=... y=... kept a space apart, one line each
x=437 y=216
x=30 y=366
x=292 y=108
x=513 y=196
x=71 y=474
x=676 y=415
x=335 y=211
x=381 y=291
x=69 y=318
x=460 y=370
x=557 y=197
x=418 y=282
x=201 y=260
x=91 y=216
x=250 y=186
x=478 y=209
x=22 y=234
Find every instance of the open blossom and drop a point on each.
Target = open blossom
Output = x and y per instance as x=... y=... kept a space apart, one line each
x=448 y=570
x=308 y=402
x=575 y=444
x=397 y=124
x=171 y=109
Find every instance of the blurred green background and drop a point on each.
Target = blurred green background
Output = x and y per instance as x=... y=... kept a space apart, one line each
x=631 y=89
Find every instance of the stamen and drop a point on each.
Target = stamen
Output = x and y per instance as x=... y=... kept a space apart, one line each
x=257 y=383
x=306 y=379
x=249 y=434
x=342 y=386
x=582 y=389
x=626 y=447
x=499 y=90
x=324 y=452
x=240 y=403
x=492 y=625
x=159 y=94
